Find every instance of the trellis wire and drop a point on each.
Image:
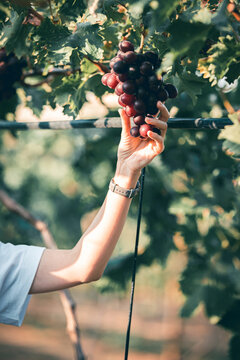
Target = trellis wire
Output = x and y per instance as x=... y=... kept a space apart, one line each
x=134 y=264
x=112 y=122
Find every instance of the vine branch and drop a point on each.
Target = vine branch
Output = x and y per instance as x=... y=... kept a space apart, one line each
x=68 y=303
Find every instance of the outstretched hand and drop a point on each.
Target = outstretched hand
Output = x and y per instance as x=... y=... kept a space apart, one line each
x=136 y=153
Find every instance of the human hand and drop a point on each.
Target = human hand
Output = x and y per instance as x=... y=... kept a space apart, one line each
x=136 y=153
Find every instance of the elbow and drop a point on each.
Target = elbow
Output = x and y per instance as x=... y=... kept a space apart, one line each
x=89 y=277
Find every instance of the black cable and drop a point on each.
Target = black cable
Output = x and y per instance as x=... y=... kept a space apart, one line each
x=134 y=264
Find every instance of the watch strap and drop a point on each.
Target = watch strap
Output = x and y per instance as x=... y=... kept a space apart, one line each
x=129 y=193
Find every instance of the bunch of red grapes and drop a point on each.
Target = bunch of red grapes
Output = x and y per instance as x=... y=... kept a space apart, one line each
x=10 y=71
x=133 y=76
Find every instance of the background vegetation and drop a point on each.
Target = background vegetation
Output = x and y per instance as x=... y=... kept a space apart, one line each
x=191 y=199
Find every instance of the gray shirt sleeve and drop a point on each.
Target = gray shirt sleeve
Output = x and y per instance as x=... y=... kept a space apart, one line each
x=18 y=266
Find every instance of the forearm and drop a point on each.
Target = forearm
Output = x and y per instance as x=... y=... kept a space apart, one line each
x=59 y=269
x=97 y=244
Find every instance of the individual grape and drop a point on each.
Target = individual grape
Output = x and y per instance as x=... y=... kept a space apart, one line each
x=152 y=109
x=140 y=58
x=119 y=89
x=129 y=87
x=105 y=78
x=120 y=102
x=125 y=46
x=127 y=99
x=162 y=95
x=152 y=105
x=130 y=111
x=113 y=61
x=120 y=67
x=139 y=106
x=139 y=120
x=171 y=90
x=130 y=57
x=134 y=131
x=133 y=72
x=141 y=81
x=121 y=55
x=151 y=57
x=143 y=130
x=153 y=83
x=112 y=81
x=122 y=77
x=142 y=93
x=146 y=68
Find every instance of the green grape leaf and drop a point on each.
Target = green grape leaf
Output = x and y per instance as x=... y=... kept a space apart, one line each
x=191 y=84
x=72 y=9
x=14 y=34
x=95 y=85
x=187 y=38
x=51 y=41
x=87 y=39
x=37 y=99
x=110 y=9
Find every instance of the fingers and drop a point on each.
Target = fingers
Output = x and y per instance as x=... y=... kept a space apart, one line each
x=160 y=124
x=164 y=114
x=126 y=123
x=159 y=140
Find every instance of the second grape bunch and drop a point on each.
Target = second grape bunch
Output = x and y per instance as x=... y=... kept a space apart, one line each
x=133 y=76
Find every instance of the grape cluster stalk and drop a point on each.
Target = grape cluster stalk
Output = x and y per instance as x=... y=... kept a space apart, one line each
x=133 y=77
x=10 y=71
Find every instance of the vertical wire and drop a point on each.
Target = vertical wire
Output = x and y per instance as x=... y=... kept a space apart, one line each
x=134 y=265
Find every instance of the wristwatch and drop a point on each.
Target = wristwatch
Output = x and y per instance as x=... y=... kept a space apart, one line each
x=129 y=193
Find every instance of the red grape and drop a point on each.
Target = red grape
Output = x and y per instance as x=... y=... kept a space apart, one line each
x=130 y=111
x=119 y=89
x=120 y=102
x=120 y=67
x=130 y=57
x=139 y=106
x=144 y=130
x=139 y=120
x=146 y=68
x=125 y=46
x=129 y=87
x=112 y=81
x=122 y=77
x=105 y=78
x=127 y=99
x=134 y=131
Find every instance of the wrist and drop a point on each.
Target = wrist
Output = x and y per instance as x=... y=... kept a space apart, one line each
x=126 y=177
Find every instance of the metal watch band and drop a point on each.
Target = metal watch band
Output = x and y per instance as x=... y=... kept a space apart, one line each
x=129 y=193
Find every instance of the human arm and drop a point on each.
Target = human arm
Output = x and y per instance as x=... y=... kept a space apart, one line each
x=86 y=262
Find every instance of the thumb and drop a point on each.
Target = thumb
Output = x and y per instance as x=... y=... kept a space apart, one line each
x=126 y=122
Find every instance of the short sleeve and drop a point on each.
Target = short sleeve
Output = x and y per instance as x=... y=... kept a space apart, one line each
x=18 y=266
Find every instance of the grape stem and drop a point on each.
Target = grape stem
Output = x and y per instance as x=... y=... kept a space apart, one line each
x=226 y=102
x=103 y=68
x=143 y=34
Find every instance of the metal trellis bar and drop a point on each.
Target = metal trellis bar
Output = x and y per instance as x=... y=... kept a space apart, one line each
x=113 y=122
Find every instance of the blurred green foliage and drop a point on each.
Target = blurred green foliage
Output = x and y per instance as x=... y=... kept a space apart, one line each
x=191 y=196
